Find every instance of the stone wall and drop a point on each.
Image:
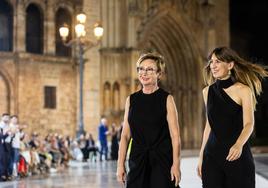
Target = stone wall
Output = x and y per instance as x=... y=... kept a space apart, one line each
x=24 y=77
x=36 y=72
x=8 y=81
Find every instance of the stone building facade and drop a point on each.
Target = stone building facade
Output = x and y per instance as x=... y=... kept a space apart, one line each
x=38 y=81
x=183 y=31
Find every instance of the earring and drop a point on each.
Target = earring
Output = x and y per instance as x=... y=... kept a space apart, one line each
x=229 y=72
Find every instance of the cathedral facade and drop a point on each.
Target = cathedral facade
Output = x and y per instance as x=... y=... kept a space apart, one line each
x=39 y=76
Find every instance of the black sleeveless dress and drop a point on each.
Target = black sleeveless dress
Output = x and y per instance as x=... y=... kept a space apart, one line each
x=150 y=158
x=225 y=117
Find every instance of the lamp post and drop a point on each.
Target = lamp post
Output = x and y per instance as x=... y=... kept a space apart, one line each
x=83 y=45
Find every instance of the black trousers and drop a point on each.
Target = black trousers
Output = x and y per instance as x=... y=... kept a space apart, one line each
x=224 y=174
x=152 y=176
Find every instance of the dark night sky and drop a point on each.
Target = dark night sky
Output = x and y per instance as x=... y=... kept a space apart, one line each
x=249 y=31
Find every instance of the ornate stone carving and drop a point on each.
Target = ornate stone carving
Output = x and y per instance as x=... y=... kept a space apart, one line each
x=135 y=7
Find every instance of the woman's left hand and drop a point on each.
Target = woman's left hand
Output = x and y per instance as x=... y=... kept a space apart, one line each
x=175 y=174
x=234 y=152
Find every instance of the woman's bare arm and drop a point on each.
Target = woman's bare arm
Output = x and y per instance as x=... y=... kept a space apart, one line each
x=173 y=123
x=123 y=145
x=205 y=134
x=248 y=123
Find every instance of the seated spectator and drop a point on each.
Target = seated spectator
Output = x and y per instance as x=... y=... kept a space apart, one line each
x=25 y=157
x=76 y=151
x=45 y=157
x=64 y=149
x=82 y=144
x=54 y=151
x=92 y=149
x=33 y=143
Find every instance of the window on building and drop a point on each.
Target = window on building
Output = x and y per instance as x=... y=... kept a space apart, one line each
x=6 y=25
x=116 y=96
x=34 y=29
x=50 y=97
x=107 y=97
x=63 y=17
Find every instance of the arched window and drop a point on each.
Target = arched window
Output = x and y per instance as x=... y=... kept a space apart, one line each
x=107 y=97
x=34 y=29
x=63 y=17
x=6 y=25
x=116 y=97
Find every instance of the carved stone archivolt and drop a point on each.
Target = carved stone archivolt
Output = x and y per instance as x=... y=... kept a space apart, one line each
x=7 y=88
x=164 y=31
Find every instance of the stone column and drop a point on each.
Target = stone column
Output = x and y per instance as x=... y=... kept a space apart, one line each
x=19 y=28
x=49 y=30
x=92 y=98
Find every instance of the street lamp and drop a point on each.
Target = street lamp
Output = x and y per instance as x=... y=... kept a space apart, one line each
x=83 y=45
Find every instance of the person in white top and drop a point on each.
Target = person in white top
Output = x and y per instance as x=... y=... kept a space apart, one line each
x=14 y=127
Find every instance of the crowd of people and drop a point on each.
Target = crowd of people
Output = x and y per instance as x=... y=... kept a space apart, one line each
x=23 y=155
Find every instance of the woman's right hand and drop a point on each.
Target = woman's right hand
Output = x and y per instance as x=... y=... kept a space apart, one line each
x=121 y=175
x=199 y=168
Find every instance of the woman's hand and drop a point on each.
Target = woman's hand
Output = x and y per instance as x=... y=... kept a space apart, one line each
x=121 y=175
x=175 y=174
x=234 y=152
x=199 y=167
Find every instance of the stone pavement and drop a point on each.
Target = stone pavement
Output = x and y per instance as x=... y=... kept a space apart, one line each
x=261 y=161
x=102 y=175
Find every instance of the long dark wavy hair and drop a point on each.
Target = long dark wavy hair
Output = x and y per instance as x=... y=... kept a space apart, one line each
x=243 y=71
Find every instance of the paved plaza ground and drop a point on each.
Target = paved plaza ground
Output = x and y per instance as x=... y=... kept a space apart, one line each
x=102 y=175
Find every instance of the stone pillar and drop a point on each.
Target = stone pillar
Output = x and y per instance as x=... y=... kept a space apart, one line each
x=19 y=28
x=49 y=30
x=92 y=98
x=134 y=58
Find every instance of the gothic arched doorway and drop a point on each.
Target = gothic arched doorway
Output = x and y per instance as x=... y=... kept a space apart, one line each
x=4 y=96
x=165 y=32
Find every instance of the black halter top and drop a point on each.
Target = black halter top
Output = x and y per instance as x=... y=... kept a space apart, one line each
x=225 y=118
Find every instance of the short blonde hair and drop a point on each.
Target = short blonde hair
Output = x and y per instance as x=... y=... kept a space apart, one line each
x=157 y=58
